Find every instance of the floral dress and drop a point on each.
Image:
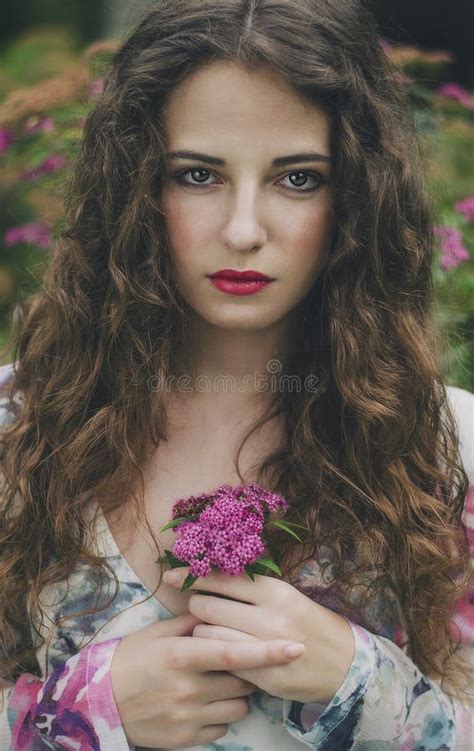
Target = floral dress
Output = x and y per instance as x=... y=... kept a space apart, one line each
x=385 y=702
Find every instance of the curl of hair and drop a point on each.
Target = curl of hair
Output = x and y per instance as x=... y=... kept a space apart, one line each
x=372 y=462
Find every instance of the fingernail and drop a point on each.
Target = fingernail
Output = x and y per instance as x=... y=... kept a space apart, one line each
x=172 y=577
x=294 y=650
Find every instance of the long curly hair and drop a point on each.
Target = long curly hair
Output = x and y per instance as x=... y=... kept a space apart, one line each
x=371 y=463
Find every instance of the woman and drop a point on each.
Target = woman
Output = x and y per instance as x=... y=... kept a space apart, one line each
x=264 y=137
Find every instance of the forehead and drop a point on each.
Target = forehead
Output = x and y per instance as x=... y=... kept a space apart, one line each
x=225 y=106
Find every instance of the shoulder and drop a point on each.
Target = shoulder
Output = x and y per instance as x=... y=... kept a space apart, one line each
x=8 y=393
x=7 y=375
x=461 y=402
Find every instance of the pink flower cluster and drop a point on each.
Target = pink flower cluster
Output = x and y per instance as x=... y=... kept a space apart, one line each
x=50 y=164
x=36 y=124
x=457 y=92
x=6 y=139
x=33 y=124
x=96 y=88
x=466 y=208
x=35 y=233
x=225 y=528
x=453 y=252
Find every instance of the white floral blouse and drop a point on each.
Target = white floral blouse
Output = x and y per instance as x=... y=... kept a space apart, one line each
x=384 y=703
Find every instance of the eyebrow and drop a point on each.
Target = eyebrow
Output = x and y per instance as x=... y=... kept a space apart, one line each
x=280 y=161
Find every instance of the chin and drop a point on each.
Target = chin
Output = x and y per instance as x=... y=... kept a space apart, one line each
x=234 y=323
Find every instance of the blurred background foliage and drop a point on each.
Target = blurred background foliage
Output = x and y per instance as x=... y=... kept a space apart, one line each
x=50 y=77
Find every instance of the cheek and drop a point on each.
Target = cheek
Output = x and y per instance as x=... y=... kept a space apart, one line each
x=307 y=241
x=188 y=227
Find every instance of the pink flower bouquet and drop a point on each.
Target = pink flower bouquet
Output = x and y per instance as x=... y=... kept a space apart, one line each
x=224 y=529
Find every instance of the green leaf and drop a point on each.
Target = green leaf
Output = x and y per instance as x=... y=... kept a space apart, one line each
x=174 y=523
x=284 y=526
x=173 y=561
x=294 y=524
x=188 y=582
x=38 y=152
x=258 y=568
x=268 y=563
x=249 y=573
x=252 y=567
x=72 y=134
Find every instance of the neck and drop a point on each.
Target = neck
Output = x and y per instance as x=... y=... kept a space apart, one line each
x=235 y=363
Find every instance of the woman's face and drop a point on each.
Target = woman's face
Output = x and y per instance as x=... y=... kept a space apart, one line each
x=245 y=212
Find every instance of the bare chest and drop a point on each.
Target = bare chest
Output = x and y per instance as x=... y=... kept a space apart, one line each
x=180 y=468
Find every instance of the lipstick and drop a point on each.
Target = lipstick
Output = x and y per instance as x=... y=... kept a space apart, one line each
x=234 y=282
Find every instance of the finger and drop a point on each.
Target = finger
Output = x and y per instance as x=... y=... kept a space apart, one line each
x=227 y=710
x=252 y=676
x=204 y=631
x=222 y=612
x=203 y=655
x=239 y=587
x=232 y=614
x=180 y=625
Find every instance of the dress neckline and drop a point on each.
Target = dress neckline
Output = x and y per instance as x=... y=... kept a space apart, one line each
x=106 y=545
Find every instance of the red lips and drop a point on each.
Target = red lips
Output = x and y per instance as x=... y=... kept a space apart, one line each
x=240 y=275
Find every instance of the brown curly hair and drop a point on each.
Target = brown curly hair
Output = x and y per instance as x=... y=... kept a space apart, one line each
x=372 y=463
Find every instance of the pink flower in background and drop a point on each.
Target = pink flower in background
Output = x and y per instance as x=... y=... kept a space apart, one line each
x=453 y=252
x=96 y=87
x=34 y=233
x=35 y=124
x=457 y=92
x=463 y=615
x=50 y=164
x=402 y=78
x=466 y=208
x=224 y=529
x=404 y=54
x=6 y=139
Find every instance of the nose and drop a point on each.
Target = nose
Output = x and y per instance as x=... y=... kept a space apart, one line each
x=244 y=230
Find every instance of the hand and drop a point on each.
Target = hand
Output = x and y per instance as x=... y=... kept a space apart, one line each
x=174 y=690
x=270 y=608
